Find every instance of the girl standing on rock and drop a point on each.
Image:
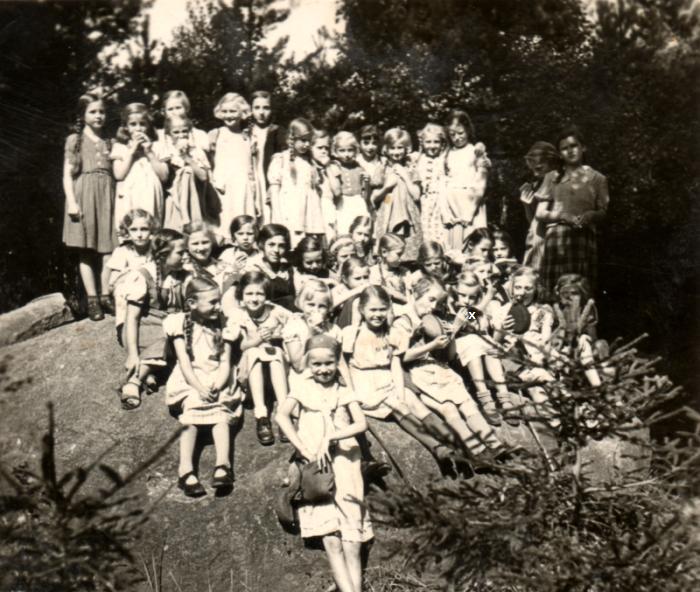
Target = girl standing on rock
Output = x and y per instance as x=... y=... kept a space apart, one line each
x=88 y=183
x=329 y=419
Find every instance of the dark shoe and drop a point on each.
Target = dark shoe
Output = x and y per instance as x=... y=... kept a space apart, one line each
x=222 y=481
x=107 y=304
x=264 y=431
x=191 y=489
x=283 y=437
x=488 y=408
x=94 y=309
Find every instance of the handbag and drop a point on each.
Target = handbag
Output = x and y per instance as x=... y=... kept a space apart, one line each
x=317 y=485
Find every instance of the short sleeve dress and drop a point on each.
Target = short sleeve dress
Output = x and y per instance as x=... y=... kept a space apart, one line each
x=185 y=201
x=205 y=359
x=323 y=409
x=125 y=258
x=94 y=188
x=141 y=188
x=431 y=171
x=351 y=202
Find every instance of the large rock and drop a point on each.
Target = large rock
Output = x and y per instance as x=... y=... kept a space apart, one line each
x=34 y=318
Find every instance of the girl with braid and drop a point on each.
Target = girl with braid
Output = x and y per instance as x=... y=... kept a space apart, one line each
x=89 y=186
x=201 y=390
x=143 y=298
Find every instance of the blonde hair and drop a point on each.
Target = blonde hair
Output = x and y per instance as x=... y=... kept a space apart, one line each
x=178 y=95
x=344 y=138
x=524 y=271
x=238 y=100
x=175 y=121
x=432 y=130
x=394 y=136
x=311 y=288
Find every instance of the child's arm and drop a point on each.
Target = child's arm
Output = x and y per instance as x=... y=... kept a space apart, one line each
x=160 y=168
x=334 y=182
x=131 y=337
x=183 y=360
x=284 y=420
x=358 y=425
x=418 y=351
x=199 y=171
x=72 y=207
x=251 y=342
x=340 y=298
x=223 y=374
x=295 y=352
x=122 y=162
x=412 y=185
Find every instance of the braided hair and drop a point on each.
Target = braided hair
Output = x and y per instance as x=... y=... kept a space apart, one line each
x=190 y=229
x=162 y=245
x=75 y=156
x=197 y=285
x=298 y=127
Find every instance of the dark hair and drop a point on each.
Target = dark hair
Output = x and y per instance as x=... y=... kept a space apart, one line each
x=574 y=279
x=426 y=283
x=428 y=250
x=350 y=264
x=504 y=237
x=361 y=221
x=135 y=109
x=310 y=244
x=75 y=157
x=161 y=247
x=476 y=236
x=390 y=240
x=371 y=131
x=569 y=131
x=260 y=94
x=240 y=221
x=272 y=230
x=251 y=278
x=461 y=117
x=374 y=292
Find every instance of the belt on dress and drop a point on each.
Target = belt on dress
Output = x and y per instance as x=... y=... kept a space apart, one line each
x=98 y=172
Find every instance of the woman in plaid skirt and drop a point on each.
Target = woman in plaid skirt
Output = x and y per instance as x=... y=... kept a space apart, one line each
x=579 y=201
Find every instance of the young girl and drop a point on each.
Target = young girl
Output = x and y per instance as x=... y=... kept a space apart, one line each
x=138 y=164
x=321 y=158
x=88 y=225
x=295 y=199
x=201 y=261
x=431 y=263
x=200 y=390
x=261 y=325
x=329 y=419
x=466 y=169
x=361 y=231
x=341 y=249
x=441 y=388
x=233 y=174
x=273 y=262
x=315 y=303
x=176 y=104
x=244 y=234
x=502 y=255
x=369 y=157
x=474 y=352
x=397 y=200
x=311 y=262
x=478 y=246
x=189 y=166
x=541 y=159
x=349 y=182
x=143 y=297
x=579 y=203
x=137 y=228
x=354 y=278
x=430 y=166
x=373 y=357
x=389 y=272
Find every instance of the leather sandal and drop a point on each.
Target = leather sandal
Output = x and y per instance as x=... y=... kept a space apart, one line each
x=488 y=408
x=222 y=481
x=510 y=414
x=195 y=489
x=130 y=394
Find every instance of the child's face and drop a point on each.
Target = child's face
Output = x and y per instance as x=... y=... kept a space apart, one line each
x=344 y=253
x=429 y=302
x=262 y=111
x=95 y=115
x=174 y=259
x=458 y=135
x=571 y=150
x=467 y=295
x=369 y=147
x=433 y=265
x=275 y=249
x=206 y=305
x=432 y=146
x=397 y=152
x=486 y=272
x=361 y=235
x=375 y=313
x=253 y=298
x=315 y=309
x=230 y=114
x=392 y=256
x=481 y=250
x=200 y=246
x=321 y=150
x=539 y=167
x=312 y=261
x=346 y=153
x=500 y=250
x=180 y=132
x=136 y=124
x=358 y=278
x=302 y=144
x=323 y=365
x=139 y=232
x=524 y=290
x=175 y=106
x=244 y=237
x=570 y=294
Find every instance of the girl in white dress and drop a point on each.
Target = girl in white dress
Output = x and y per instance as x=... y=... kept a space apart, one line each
x=329 y=419
x=233 y=175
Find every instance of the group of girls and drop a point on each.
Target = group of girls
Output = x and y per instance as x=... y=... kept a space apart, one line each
x=347 y=276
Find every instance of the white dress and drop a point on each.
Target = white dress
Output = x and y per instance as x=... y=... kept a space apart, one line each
x=323 y=409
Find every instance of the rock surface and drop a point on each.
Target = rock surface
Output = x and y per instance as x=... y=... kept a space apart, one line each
x=34 y=318
x=210 y=541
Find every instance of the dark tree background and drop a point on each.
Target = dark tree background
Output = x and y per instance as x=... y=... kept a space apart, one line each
x=627 y=76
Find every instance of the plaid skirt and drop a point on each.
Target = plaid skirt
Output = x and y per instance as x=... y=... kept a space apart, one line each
x=568 y=250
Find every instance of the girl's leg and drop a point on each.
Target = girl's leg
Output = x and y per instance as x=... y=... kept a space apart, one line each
x=336 y=559
x=188 y=438
x=105 y=273
x=351 y=551
x=452 y=416
x=488 y=405
x=508 y=402
x=257 y=390
x=483 y=434
x=221 y=434
x=278 y=375
x=87 y=272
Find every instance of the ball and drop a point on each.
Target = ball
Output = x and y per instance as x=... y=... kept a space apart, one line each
x=521 y=316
